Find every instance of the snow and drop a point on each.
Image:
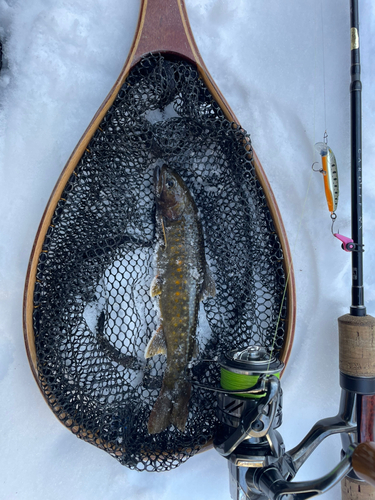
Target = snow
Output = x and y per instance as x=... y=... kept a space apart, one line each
x=286 y=86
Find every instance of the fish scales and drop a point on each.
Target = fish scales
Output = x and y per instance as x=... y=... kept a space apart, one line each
x=181 y=278
x=183 y=275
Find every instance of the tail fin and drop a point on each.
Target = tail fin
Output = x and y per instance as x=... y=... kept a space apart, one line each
x=171 y=407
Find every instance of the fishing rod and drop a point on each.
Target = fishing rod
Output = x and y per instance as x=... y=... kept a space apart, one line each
x=357 y=329
x=259 y=466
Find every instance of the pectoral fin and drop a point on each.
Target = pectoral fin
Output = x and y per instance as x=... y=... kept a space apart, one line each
x=156 y=344
x=208 y=286
x=155 y=288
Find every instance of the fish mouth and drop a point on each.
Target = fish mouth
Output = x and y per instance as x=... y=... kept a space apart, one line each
x=159 y=179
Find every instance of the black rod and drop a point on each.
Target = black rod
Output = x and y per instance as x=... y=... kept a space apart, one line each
x=357 y=308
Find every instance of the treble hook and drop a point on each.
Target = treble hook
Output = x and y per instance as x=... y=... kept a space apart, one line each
x=314 y=169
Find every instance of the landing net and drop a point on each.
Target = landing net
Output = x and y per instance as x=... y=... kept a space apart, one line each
x=93 y=315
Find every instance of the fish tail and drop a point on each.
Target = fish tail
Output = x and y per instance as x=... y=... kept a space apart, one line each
x=171 y=407
x=160 y=416
x=180 y=408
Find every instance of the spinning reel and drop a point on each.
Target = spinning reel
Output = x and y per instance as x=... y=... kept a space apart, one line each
x=250 y=410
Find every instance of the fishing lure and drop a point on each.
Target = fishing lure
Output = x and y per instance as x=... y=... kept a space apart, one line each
x=331 y=187
x=330 y=175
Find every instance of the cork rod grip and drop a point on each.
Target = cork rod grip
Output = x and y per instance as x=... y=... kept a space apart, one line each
x=357 y=346
x=351 y=489
x=357 y=367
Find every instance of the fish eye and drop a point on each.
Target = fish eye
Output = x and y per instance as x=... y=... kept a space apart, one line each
x=169 y=183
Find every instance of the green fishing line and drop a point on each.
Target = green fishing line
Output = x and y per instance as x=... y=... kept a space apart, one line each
x=238 y=381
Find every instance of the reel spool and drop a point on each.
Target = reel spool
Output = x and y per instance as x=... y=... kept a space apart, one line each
x=242 y=369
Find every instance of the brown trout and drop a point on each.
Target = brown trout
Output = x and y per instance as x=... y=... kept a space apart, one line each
x=182 y=279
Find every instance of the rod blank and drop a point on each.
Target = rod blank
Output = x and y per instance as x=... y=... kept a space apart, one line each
x=358 y=305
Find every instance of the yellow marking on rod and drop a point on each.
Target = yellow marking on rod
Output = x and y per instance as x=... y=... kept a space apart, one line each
x=354 y=39
x=87 y=149
x=63 y=199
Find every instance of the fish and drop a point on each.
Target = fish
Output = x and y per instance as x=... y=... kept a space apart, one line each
x=331 y=179
x=181 y=281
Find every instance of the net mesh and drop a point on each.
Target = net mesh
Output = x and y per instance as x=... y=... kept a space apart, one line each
x=93 y=314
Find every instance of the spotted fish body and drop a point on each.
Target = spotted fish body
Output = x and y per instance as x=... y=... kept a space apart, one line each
x=181 y=279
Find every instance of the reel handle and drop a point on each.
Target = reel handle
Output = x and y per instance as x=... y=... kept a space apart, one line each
x=363 y=462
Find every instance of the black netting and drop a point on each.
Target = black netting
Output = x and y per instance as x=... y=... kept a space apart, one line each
x=93 y=313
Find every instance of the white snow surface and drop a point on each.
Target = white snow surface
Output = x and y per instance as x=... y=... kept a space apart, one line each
x=61 y=57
